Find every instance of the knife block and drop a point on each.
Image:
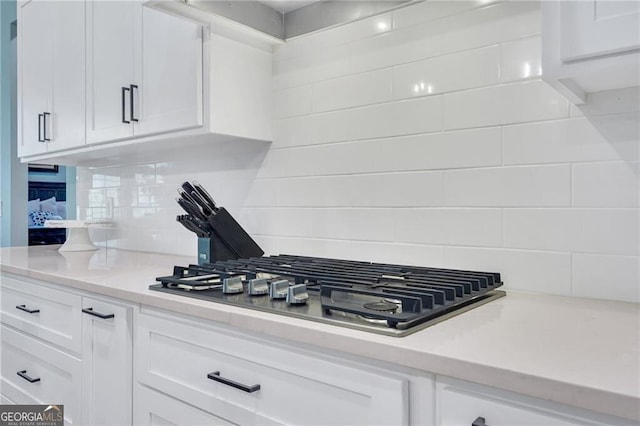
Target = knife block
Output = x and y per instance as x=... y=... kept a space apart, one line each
x=229 y=242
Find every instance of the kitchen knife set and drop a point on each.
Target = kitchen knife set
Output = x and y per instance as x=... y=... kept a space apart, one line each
x=220 y=237
x=199 y=205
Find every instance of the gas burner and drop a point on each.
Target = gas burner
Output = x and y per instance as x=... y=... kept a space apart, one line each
x=384 y=305
x=395 y=300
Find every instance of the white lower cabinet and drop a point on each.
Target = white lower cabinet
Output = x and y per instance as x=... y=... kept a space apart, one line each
x=250 y=382
x=111 y=362
x=460 y=403
x=66 y=347
x=106 y=362
x=35 y=373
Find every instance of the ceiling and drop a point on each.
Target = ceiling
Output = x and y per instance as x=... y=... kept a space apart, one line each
x=284 y=6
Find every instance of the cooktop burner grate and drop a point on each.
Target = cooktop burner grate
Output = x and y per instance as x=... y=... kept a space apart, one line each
x=385 y=298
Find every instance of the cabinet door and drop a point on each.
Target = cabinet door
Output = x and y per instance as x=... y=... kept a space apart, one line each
x=106 y=363
x=109 y=69
x=34 y=74
x=66 y=124
x=168 y=73
x=595 y=28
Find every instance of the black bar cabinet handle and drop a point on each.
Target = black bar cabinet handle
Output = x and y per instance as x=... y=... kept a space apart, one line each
x=40 y=128
x=44 y=127
x=23 y=374
x=124 y=118
x=27 y=310
x=215 y=376
x=480 y=421
x=90 y=311
x=131 y=87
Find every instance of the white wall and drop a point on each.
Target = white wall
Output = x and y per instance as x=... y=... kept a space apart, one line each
x=423 y=136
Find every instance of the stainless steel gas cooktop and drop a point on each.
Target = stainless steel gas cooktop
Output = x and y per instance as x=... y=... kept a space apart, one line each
x=395 y=300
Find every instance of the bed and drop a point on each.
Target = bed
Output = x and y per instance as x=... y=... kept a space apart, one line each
x=46 y=200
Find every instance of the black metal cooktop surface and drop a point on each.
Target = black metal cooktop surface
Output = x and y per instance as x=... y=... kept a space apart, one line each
x=389 y=299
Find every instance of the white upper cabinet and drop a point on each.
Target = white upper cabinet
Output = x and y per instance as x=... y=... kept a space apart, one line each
x=144 y=71
x=110 y=50
x=51 y=76
x=168 y=74
x=598 y=27
x=590 y=46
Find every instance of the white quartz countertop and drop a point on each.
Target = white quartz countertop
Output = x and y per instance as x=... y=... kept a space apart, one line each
x=580 y=352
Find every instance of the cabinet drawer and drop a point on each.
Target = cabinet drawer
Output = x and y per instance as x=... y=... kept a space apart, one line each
x=49 y=314
x=57 y=374
x=460 y=404
x=157 y=409
x=177 y=358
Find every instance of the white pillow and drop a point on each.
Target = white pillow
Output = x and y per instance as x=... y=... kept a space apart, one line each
x=33 y=205
x=48 y=205
x=61 y=209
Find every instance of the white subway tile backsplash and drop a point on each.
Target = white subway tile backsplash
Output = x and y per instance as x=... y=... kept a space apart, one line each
x=602 y=231
x=292 y=102
x=352 y=91
x=509 y=186
x=561 y=141
x=520 y=59
x=541 y=102
x=505 y=104
x=407 y=254
x=326 y=63
x=342 y=224
x=491 y=170
x=384 y=120
x=458 y=71
x=491 y=25
x=263 y=193
x=449 y=150
x=427 y=11
x=480 y=147
x=308 y=44
x=396 y=47
x=379 y=190
x=521 y=270
x=472 y=227
x=614 y=184
x=606 y=277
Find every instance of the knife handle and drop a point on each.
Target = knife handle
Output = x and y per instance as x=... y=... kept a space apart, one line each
x=190 y=208
x=202 y=203
x=205 y=195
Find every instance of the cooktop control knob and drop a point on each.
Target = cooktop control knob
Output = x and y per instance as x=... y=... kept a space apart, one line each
x=232 y=285
x=297 y=294
x=278 y=289
x=258 y=287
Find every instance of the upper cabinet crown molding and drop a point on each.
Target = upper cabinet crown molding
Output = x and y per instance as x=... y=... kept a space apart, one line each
x=590 y=46
x=155 y=83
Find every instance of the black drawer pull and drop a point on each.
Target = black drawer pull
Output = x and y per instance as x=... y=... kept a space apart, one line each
x=40 y=116
x=131 y=113
x=480 y=421
x=27 y=310
x=215 y=376
x=90 y=311
x=124 y=119
x=44 y=127
x=23 y=374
